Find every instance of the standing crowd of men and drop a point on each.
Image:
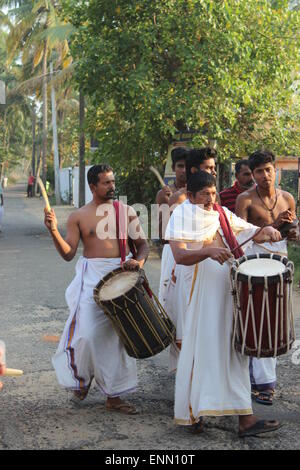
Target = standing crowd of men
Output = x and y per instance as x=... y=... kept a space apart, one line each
x=212 y=379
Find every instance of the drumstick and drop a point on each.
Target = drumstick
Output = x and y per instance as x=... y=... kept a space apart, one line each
x=13 y=373
x=154 y=170
x=248 y=240
x=45 y=196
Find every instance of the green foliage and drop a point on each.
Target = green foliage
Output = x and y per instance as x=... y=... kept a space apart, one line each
x=294 y=255
x=15 y=123
x=289 y=182
x=34 y=24
x=225 y=68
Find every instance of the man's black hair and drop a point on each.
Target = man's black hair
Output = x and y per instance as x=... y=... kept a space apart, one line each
x=92 y=175
x=240 y=163
x=200 y=180
x=261 y=157
x=177 y=154
x=196 y=157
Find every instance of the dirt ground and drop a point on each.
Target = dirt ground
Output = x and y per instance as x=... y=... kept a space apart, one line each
x=35 y=413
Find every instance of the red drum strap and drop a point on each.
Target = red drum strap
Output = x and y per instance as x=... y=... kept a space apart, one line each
x=228 y=233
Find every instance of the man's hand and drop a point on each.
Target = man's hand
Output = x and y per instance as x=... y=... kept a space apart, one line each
x=167 y=191
x=285 y=216
x=50 y=220
x=268 y=234
x=294 y=234
x=131 y=265
x=219 y=254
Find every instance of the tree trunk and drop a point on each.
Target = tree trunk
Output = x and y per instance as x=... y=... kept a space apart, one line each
x=33 y=144
x=81 y=151
x=55 y=142
x=45 y=112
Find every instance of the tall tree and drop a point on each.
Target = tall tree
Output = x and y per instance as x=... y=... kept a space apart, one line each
x=151 y=69
x=33 y=38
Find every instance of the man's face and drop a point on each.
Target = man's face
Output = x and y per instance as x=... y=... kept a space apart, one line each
x=105 y=188
x=209 y=166
x=180 y=172
x=245 y=177
x=206 y=197
x=264 y=175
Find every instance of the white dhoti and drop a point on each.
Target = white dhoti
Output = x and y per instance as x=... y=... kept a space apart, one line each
x=89 y=347
x=263 y=371
x=167 y=265
x=212 y=378
x=177 y=299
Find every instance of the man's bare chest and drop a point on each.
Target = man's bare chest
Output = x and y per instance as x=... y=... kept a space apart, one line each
x=266 y=212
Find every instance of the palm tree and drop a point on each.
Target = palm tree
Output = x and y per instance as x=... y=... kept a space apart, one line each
x=32 y=39
x=14 y=115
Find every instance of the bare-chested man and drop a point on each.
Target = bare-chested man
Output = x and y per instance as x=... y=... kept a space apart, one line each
x=89 y=347
x=261 y=205
x=178 y=156
x=172 y=278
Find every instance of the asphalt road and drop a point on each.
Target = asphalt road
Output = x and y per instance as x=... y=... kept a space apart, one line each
x=35 y=413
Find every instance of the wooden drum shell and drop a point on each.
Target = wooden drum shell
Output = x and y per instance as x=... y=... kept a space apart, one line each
x=138 y=318
x=263 y=312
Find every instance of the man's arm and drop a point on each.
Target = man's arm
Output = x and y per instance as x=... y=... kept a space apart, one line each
x=183 y=255
x=290 y=216
x=178 y=197
x=163 y=195
x=242 y=205
x=137 y=236
x=66 y=247
x=142 y=251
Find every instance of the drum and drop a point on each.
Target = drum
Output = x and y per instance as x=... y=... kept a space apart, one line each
x=262 y=287
x=136 y=314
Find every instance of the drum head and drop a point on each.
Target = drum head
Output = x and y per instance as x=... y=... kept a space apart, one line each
x=118 y=285
x=261 y=267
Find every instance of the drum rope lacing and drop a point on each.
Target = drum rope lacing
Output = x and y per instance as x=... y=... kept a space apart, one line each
x=265 y=309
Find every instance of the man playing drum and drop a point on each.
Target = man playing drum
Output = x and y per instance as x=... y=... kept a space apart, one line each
x=261 y=205
x=89 y=347
x=178 y=155
x=212 y=378
x=175 y=277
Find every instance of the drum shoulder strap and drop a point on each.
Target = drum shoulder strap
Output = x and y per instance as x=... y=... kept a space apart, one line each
x=121 y=226
x=227 y=230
